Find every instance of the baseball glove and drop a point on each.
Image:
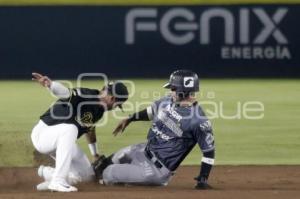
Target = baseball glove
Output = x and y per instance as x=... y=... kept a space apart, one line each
x=98 y=167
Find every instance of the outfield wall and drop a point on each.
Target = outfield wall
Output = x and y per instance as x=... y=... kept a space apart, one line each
x=150 y=41
x=142 y=2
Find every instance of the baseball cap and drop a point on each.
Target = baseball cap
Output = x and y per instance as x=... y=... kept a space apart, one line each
x=119 y=91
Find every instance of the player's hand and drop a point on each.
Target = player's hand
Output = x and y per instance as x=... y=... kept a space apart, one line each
x=121 y=127
x=41 y=79
x=96 y=157
x=99 y=166
x=202 y=184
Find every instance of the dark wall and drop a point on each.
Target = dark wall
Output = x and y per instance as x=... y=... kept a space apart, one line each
x=66 y=41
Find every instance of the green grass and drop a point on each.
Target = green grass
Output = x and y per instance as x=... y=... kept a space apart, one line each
x=139 y=2
x=275 y=139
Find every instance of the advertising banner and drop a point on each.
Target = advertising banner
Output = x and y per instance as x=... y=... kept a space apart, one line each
x=150 y=41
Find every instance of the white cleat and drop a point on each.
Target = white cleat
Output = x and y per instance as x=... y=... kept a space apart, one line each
x=101 y=181
x=73 y=179
x=40 y=171
x=61 y=187
x=43 y=186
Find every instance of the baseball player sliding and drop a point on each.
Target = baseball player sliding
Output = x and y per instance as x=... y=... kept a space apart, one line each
x=74 y=114
x=178 y=123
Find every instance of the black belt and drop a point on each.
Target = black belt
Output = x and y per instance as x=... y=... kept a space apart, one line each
x=149 y=155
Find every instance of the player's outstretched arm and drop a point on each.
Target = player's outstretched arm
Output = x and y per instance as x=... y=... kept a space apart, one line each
x=206 y=166
x=92 y=143
x=41 y=79
x=138 y=116
x=204 y=136
x=56 y=88
x=121 y=126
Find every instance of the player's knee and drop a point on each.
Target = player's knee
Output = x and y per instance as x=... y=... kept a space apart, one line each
x=118 y=156
x=108 y=175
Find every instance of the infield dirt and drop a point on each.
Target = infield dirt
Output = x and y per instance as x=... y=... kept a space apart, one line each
x=234 y=182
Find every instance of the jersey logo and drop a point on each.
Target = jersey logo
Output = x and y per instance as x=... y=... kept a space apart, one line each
x=173 y=113
x=147 y=168
x=206 y=126
x=160 y=134
x=188 y=82
x=174 y=127
x=86 y=119
x=209 y=139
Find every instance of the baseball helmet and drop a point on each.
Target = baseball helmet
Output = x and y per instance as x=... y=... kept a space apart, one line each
x=183 y=81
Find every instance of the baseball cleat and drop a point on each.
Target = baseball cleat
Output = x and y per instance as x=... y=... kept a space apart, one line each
x=101 y=181
x=61 y=187
x=40 y=171
x=43 y=186
x=73 y=178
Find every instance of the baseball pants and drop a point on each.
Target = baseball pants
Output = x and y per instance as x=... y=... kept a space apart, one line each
x=131 y=166
x=60 y=140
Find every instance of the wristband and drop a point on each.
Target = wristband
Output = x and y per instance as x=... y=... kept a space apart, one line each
x=93 y=148
x=139 y=116
x=209 y=161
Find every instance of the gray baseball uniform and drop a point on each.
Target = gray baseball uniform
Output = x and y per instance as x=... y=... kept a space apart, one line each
x=175 y=131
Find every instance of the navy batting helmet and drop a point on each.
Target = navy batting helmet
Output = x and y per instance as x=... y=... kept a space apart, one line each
x=183 y=81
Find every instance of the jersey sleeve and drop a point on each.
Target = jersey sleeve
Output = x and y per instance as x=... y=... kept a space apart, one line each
x=84 y=93
x=59 y=90
x=79 y=95
x=75 y=94
x=203 y=135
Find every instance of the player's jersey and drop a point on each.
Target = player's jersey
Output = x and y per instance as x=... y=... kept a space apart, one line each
x=175 y=131
x=83 y=109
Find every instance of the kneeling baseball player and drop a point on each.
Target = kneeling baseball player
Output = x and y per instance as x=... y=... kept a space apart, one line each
x=178 y=123
x=74 y=114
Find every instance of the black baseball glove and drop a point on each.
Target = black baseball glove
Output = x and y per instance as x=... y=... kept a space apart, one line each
x=98 y=167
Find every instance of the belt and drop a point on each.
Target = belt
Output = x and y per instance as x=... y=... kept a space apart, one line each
x=153 y=159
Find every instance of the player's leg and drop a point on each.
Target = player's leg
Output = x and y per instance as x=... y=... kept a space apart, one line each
x=123 y=173
x=44 y=141
x=126 y=154
x=123 y=156
x=122 y=170
x=140 y=171
x=81 y=169
x=65 y=146
x=61 y=139
x=46 y=172
x=143 y=173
